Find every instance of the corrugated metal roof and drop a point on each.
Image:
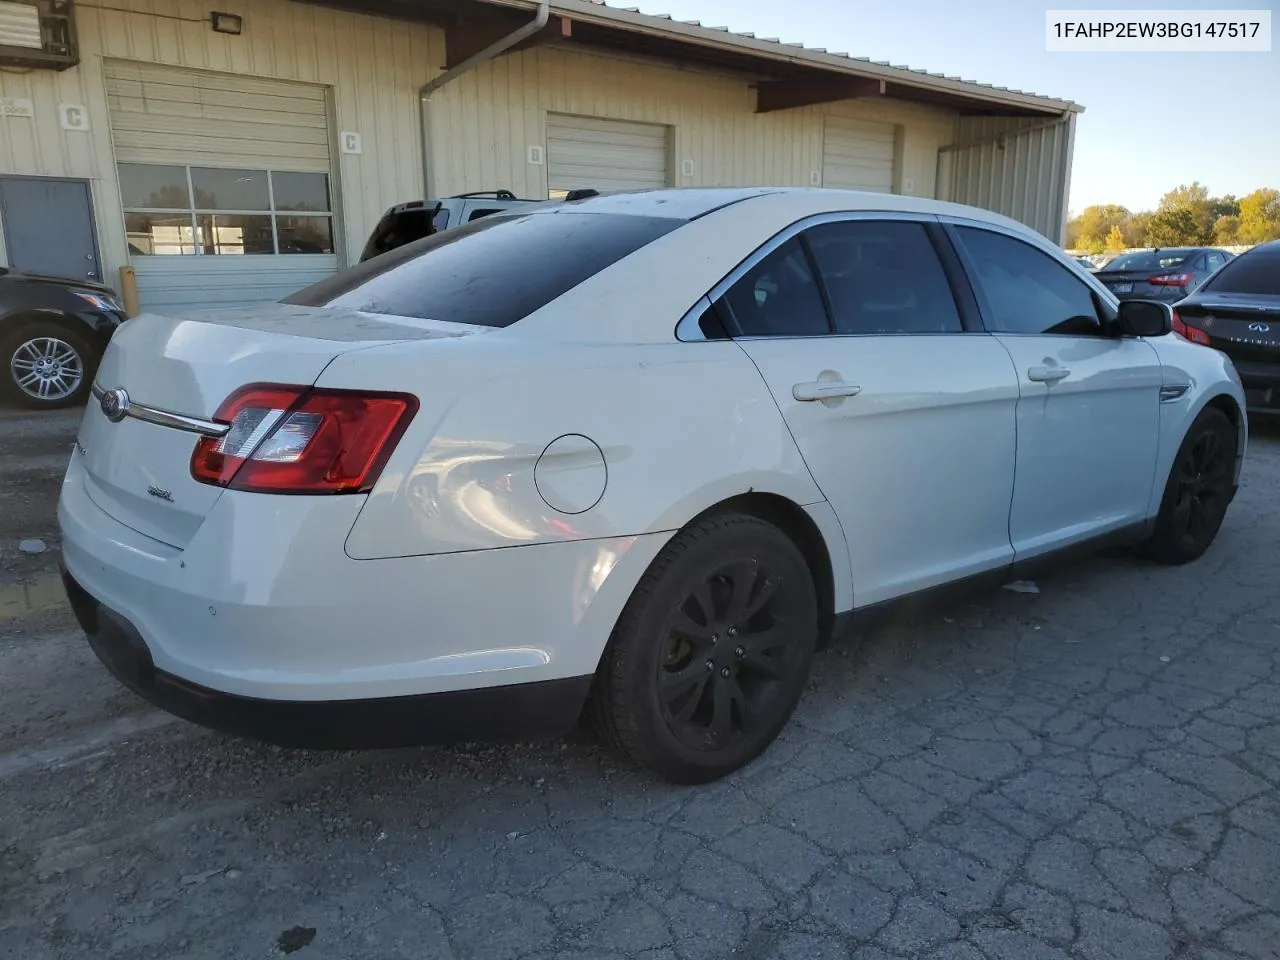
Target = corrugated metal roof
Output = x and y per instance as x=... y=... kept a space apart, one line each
x=812 y=56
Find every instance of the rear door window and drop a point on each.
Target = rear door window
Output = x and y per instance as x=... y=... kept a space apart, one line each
x=490 y=272
x=883 y=277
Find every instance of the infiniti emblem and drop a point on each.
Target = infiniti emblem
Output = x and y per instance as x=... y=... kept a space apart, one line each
x=1259 y=328
x=114 y=404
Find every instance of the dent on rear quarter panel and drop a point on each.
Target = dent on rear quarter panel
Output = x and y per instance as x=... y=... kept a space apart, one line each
x=681 y=426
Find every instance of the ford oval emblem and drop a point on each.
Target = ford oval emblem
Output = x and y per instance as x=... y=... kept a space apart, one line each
x=114 y=404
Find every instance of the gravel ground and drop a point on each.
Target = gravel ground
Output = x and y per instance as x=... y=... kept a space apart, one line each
x=1089 y=772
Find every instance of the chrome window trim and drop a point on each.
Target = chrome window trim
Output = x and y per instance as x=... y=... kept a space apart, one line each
x=164 y=418
x=687 y=329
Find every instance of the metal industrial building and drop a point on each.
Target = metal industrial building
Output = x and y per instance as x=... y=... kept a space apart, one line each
x=233 y=150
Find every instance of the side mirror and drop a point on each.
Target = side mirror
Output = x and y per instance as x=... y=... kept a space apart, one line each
x=1145 y=318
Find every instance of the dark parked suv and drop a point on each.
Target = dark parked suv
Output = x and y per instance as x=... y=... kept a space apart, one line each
x=1167 y=273
x=1237 y=311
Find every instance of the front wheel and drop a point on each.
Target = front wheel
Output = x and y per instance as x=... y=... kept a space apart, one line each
x=43 y=365
x=712 y=652
x=1198 y=491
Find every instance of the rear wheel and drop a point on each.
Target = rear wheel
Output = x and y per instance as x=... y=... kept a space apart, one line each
x=1198 y=491
x=43 y=365
x=711 y=654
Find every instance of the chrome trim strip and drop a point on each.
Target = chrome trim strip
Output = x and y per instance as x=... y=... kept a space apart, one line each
x=1173 y=391
x=167 y=418
x=688 y=330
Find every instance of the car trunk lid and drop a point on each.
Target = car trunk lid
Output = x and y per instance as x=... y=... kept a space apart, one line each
x=139 y=465
x=1244 y=326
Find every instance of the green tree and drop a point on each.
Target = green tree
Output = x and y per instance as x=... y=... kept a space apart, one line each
x=1175 y=227
x=1115 y=240
x=1135 y=231
x=1187 y=212
x=1226 y=230
x=1093 y=224
x=1089 y=244
x=1260 y=216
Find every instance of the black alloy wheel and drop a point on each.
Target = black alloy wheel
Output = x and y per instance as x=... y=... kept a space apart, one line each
x=1200 y=488
x=711 y=655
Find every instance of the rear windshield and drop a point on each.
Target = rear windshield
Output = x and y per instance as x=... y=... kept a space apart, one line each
x=490 y=272
x=1151 y=260
x=1256 y=272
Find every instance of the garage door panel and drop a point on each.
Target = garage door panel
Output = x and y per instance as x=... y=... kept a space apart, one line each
x=605 y=154
x=858 y=155
x=163 y=115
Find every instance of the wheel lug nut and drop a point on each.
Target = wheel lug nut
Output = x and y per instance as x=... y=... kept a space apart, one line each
x=715 y=638
x=711 y=665
x=740 y=651
x=724 y=671
x=732 y=631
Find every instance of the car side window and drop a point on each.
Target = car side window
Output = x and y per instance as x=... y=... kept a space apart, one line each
x=1026 y=290
x=477 y=214
x=1200 y=263
x=1216 y=260
x=883 y=277
x=779 y=296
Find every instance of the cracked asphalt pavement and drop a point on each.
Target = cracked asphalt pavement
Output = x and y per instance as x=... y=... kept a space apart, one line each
x=1090 y=772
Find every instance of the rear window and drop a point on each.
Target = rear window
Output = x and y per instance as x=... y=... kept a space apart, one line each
x=1150 y=260
x=490 y=272
x=1257 y=272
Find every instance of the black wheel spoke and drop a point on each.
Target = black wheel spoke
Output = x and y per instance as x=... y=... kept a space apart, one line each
x=742 y=578
x=695 y=692
x=771 y=668
x=683 y=624
x=742 y=704
x=721 y=714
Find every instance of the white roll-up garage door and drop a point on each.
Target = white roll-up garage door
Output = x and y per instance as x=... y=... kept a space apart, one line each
x=225 y=183
x=858 y=155
x=588 y=152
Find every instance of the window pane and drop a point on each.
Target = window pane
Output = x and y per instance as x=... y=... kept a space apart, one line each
x=491 y=272
x=160 y=233
x=1149 y=260
x=300 y=191
x=229 y=189
x=779 y=297
x=304 y=234
x=154 y=186
x=1256 y=271
x=884 y=277
x=1027 y=291
x=234 y=233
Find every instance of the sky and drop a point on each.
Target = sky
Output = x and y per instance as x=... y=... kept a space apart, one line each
x=1152 y=121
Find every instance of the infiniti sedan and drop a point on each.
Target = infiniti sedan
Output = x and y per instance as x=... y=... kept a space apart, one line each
x=645 y=451
x=1238 y=312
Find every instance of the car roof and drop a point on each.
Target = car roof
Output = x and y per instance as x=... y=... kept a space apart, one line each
x=689 y=203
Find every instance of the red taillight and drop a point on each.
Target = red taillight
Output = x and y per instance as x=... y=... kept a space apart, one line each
x=1170 y=280
x=1184 y=329
x=287 y=439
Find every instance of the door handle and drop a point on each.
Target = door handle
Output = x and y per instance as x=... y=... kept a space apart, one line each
x=1048 y=374
x=824 y=390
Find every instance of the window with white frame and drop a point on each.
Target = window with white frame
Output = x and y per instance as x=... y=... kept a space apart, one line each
x=205 y=211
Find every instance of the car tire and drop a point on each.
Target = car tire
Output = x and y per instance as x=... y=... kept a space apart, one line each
x=65 y=359
x=1197 y=493
x=712 y=652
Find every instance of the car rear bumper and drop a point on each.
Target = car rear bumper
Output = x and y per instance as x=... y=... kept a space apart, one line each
x=1261 y=382
x=522 y=711
x=262 y=621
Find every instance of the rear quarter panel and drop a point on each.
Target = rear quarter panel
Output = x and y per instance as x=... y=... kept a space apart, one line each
x=679 y=427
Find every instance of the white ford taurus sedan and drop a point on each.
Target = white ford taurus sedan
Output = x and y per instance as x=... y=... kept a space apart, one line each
x=643 y=451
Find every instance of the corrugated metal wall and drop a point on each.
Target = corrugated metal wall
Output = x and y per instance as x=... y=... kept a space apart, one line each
x=482 y=124
x=1024 y=174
